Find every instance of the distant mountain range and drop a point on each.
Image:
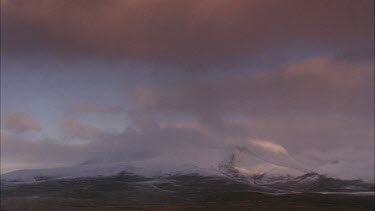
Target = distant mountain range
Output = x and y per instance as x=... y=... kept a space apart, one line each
x=227 y=175
x=228 y=186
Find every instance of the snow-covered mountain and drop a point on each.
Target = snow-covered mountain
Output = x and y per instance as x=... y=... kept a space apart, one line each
x=252 y=159
x=246 y=162
x=279 y=173
x=99 y=170
x=286 y=179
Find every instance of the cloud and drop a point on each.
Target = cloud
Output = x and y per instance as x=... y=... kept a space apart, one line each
x=318 y=103
x=75 y=129
x=338 y=161
x=20 y=122
x=314 y=85
x=92 y=108
x=188 y=33
x=19 y=153
x=269 y=146
x=167 y=145
x=130 y=146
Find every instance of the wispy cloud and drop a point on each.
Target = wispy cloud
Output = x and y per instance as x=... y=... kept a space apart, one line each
x=20 y=122
x=267 y=145
x=92 y=108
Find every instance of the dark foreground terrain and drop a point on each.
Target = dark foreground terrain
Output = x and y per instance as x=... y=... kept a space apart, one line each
x=232 y=201
x=184 y=192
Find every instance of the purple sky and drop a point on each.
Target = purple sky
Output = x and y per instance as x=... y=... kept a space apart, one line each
x=132 y=80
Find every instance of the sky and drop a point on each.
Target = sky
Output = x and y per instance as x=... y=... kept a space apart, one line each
x=111 y=80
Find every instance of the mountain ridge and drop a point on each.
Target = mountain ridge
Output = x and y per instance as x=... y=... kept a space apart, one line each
x=240 y=167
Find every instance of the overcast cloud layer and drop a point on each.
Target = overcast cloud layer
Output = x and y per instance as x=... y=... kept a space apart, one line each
x=188 y=81
x=184 y=32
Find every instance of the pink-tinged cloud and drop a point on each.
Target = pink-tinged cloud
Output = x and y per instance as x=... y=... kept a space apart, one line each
x=318 y=85
x=315 y=103
x=267 y=145
x=76 y=129
x=184 y=32
x=20 y=122
x=21 y=153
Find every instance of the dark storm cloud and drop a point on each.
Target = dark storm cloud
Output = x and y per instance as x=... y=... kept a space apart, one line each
x=183 y=32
